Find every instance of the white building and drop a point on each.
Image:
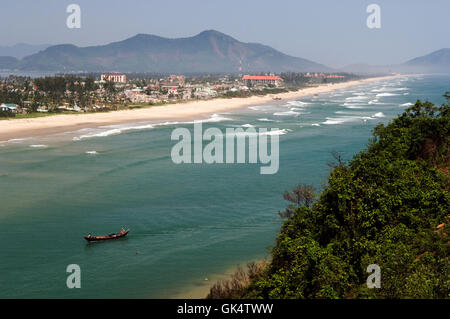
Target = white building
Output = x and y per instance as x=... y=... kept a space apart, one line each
x=116 y=78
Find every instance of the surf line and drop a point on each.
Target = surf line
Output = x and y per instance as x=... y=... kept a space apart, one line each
x=235 y=150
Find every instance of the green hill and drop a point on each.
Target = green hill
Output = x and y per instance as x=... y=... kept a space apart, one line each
x=389 y=206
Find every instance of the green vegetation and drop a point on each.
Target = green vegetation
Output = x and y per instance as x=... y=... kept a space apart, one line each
x=64 y=93
x=28 y=115
x=389 y=206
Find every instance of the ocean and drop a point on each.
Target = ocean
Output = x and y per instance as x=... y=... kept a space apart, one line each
x=189 y=221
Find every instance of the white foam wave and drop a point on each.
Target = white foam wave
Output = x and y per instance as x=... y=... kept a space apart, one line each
x=378 y=115
x=297 y=103
x=100 y=134
x=330 y=121
x=214 y=119
x=167 y=123
x=255 y=108
x=17 y=140
x=113 y=130
x=357 y=98
x=287 y=113
x=265 y=120
x=389 y=88
x=354 y=106
x=345 y=119
x=118 y=129
x=275 y=132
x=385 y=94
x=271 y=132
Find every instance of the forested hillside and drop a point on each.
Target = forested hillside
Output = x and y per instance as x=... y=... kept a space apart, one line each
x=389 y=206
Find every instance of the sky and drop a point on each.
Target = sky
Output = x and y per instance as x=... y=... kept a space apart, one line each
x=330 y=32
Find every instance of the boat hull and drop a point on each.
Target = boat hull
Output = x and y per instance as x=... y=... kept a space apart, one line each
x=106 y=237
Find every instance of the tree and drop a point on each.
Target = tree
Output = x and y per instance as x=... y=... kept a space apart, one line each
x=301 y=195
x=388 y=206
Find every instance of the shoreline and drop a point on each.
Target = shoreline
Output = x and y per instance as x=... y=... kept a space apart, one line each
x=21 y=128
x=200 y=290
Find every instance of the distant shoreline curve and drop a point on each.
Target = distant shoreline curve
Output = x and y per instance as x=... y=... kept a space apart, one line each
x=32 y=127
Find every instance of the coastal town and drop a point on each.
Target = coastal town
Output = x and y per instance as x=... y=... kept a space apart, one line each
x=29 y=97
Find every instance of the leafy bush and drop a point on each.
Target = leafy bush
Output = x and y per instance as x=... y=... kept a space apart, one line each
x=389 y=206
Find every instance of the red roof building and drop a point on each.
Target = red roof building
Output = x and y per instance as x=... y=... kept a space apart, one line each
x=262 y=79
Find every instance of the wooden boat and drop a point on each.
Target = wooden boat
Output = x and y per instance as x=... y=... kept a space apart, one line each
x=120 y=234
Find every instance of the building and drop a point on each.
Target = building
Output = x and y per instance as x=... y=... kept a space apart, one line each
x=263 y=79
x=116 y=78
x=321 y=75
x=173 y=91
x=334 y=76
x=14 y=108
x=168 y=85
x=204 y=93
x=137 y=95
x=179 y=79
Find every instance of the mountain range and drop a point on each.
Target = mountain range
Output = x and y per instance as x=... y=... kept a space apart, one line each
x=21 y=50
x=207 y=52
x=434 y=62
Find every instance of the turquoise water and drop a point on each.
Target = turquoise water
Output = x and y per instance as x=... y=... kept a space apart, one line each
x=187 y=221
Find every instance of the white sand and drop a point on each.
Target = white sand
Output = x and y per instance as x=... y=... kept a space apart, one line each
x=19 y=128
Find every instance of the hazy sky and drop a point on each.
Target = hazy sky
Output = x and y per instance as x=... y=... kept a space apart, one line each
x=326 y=31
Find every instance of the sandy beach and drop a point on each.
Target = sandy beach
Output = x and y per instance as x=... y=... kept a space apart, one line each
x=20 y=128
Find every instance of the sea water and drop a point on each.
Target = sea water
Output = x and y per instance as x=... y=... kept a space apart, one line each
x=188 y=221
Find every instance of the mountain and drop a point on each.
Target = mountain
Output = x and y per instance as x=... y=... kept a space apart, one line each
x=435 y=62
x=21 y=50
x=209 y=51
x=7 y=62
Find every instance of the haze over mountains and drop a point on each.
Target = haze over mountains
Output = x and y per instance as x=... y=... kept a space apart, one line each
x=21 y=50
x=208 y=52
x=434 y=62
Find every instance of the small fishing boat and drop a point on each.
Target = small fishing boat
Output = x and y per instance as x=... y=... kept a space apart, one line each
x=120 y=234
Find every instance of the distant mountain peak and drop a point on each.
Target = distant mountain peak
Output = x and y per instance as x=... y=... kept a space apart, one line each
x=20 y=50
x=441 y=56
x=213 y=32
x=435 y=62
x=141 y=36
x=210 y=51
